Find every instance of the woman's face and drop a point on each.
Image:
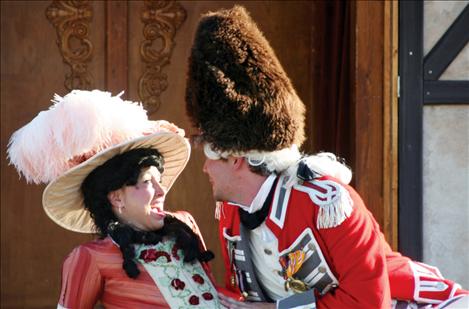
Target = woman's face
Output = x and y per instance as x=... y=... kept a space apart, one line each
x=141 y=205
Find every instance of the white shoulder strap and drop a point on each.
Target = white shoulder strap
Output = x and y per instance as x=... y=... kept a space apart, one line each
x=333 y=200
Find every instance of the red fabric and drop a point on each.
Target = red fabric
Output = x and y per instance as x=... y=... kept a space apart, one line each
x=403 y=280
x=229 y=219
x=368 y=271
x=229 y=293
x=354 y=253
x=93 y=271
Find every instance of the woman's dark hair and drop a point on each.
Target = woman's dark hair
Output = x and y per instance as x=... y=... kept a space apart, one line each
x=124 y=170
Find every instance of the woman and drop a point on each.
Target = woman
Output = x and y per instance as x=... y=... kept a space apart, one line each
x=109 y=169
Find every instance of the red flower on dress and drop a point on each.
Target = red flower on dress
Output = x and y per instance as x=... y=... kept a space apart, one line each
x=194 y=300
x=150 y=255
x=174 y=252
x=178 y=284
x=207 y=296
x=198 y=278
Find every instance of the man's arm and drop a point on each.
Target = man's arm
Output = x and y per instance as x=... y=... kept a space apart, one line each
x=355 y=253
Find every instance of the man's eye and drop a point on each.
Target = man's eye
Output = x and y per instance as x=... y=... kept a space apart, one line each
x=147 y=181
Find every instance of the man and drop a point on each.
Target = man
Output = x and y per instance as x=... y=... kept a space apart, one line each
x=293 y=233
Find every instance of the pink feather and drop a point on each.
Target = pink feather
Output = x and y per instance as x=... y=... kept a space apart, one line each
x=73 y=129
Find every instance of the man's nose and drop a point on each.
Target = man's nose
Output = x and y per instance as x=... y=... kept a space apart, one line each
x=204 y=169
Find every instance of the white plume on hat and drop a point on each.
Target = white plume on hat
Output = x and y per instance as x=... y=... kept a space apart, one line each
x=82 y=122
x=80 y=132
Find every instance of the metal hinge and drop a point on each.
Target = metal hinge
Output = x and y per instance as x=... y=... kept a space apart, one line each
x=398 y=86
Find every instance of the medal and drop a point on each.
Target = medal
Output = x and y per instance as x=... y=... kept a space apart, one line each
x=291 y=265
x=295 y=285
x=232 y=265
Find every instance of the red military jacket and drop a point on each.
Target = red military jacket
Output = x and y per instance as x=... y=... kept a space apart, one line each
x=369 y=273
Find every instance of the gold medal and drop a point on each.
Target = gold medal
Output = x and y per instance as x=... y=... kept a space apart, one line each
x=295 y=285
x=291 y=267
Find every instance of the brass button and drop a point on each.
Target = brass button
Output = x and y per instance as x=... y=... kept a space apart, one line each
x=322 y=269
x=233 y=281
x=245 y=294
x=311 y=247
x=267 y=251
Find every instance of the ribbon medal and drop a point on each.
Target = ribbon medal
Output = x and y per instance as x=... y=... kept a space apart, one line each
x=291 y=265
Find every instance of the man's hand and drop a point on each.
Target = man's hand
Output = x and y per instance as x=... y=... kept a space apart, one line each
x=230 y=303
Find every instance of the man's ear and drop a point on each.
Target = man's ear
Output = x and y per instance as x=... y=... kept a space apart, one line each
x=238 y=162
x=115 y=198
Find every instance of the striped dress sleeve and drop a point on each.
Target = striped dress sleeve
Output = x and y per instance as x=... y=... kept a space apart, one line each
x=82 y=283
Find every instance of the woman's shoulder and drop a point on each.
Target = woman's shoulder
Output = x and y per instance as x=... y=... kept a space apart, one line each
x=96 y=247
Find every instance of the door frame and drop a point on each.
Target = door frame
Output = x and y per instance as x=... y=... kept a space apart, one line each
x=420 y=86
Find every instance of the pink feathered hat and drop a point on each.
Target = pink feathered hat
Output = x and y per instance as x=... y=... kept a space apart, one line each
x=80 y=132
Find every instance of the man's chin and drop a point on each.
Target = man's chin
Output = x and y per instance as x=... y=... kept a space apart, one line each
x=218 y=198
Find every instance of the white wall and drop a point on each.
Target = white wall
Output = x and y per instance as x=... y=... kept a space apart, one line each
x=446 y=160
x=446 y=190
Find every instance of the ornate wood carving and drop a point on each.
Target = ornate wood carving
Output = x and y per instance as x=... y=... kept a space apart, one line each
x=72 y=20
x=161 y=20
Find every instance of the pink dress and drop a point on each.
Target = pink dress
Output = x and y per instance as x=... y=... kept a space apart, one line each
x=93 y=273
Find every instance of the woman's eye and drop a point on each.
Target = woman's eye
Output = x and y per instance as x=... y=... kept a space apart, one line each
x=147 y=181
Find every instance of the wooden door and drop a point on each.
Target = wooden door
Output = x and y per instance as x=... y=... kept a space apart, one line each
x=32 y=70
x=109 y=50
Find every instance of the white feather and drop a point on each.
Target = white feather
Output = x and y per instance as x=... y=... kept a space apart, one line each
x=325 y=163
x=76 y=126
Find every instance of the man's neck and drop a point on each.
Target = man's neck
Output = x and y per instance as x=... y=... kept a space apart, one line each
x=249 y=187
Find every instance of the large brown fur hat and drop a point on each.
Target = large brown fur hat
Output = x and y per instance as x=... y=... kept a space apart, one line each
x=238 y=94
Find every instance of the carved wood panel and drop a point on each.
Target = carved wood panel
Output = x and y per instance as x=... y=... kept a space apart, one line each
x=161 y=20
x=71 y=20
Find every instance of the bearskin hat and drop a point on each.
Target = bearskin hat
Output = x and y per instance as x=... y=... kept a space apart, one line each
x=238 y=96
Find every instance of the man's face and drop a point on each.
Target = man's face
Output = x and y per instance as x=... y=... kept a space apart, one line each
x=219 y=173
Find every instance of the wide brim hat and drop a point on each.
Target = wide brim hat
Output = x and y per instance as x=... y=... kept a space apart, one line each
x=238 y=95
x=63 y=201
x=113 y=126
